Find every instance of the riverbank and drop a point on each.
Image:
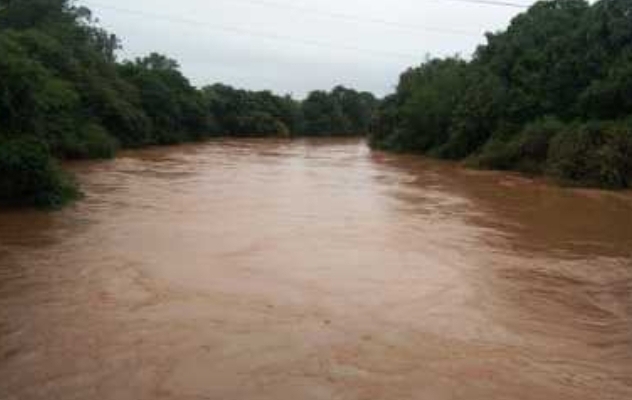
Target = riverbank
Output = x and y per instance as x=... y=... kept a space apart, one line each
x=548 y=95
x=31 y=176
x=596 y=154
x=65 y=95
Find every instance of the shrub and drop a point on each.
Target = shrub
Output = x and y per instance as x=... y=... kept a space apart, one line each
x=29 y=175
x=573 y=153
x=615 y=157
x=262 y=124
x=596 y=153
x=524 y=152
x=92 y=141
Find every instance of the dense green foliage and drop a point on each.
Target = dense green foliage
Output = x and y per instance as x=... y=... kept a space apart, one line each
x=339 y=112
x=62 y=88
x=29 y=176
x=550 y=95
x=245 y=113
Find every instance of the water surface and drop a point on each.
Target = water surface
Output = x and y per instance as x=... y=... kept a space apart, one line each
x=254 y=269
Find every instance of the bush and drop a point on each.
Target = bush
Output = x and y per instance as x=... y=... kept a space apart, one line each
x=525 y=152
x=595 y=153
x=29 y=175
x=92 y=141
x=261 y=124
x=475 y=116
x=573 y=153
x=615 y=157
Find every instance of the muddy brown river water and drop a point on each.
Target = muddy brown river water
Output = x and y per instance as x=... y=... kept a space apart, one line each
x=237 y=270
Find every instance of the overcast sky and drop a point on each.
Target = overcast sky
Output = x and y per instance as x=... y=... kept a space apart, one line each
x=293 y=46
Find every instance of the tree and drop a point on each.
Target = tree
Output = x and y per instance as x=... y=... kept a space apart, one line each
x=341 y=111
x=559 y=65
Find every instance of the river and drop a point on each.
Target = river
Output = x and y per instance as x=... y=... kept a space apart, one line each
x=315 y=269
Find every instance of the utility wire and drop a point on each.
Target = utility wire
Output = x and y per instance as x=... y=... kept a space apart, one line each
x=248 y=32
x=308 y=11
x=349 y=17
x=499 y=3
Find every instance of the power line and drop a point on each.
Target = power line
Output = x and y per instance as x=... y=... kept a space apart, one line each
x=349 y=17
x=499 y=3
x=247 y=32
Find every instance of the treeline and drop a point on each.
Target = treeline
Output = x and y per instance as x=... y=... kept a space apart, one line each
x=341 y=111
x=550 y=95
x=64 y=95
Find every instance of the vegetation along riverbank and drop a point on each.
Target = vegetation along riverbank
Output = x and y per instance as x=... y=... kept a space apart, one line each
x=550 y=95
x=64 y=95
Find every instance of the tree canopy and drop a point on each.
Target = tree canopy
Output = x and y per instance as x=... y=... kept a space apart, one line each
x=551 y=94
x=64 y=94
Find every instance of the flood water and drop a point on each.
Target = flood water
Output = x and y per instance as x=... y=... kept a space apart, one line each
x=247 y=270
